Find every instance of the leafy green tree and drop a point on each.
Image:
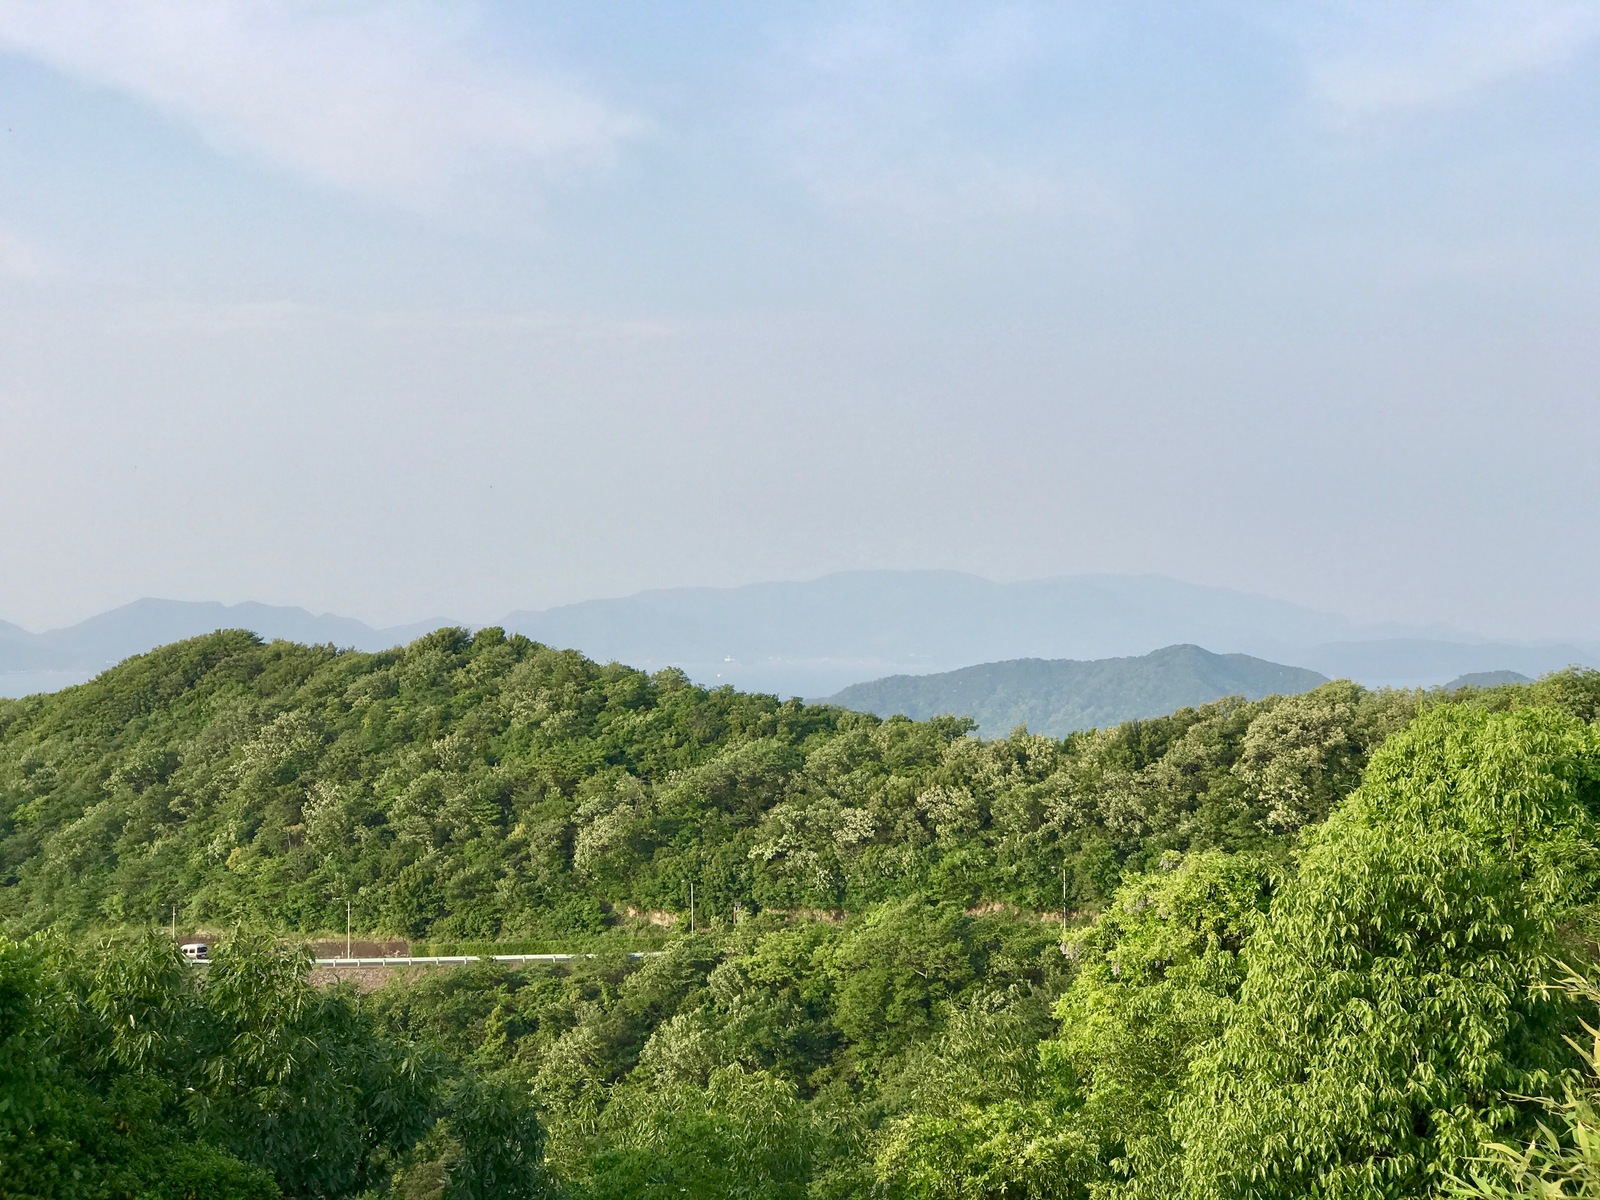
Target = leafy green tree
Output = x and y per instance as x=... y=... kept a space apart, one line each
x=984 y=1117
x=73 y=1128
x=1390 y=1011
x=126 y=1072
x=1000 y=1113
x=744 y=1134
x=892 y=973
x=298 y=1080
x=1304 y=753
x=1158 y=980
x=1561 y=1160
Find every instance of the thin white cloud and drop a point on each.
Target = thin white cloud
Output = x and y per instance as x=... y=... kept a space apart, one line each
x=383 y=100
x=873 y=124
x=1388 y=58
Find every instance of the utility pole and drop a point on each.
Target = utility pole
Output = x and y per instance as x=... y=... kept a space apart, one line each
x=691 y=906
x=1063 y=904
x=346 y=900
x=174 y=920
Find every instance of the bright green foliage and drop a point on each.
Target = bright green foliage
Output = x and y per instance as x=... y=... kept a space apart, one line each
x=1003 y=1114
x=297 y=1080
x=738 y=1134
x=1354 y=1029
x=983 y=1116
x=1390 y=1010
x=1309 y=751
x=479 y=787
x=126 y=1072
x=1007 y=1149
x=77 y=1121
x=891 y=972
x=1158 y=980
x=1562 y=1160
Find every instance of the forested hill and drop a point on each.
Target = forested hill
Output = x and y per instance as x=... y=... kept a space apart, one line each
x=1061 y=696
x=1276 y=983
x=482 y=786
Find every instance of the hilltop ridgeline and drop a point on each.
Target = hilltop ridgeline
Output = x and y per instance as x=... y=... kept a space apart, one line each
x=479 y=787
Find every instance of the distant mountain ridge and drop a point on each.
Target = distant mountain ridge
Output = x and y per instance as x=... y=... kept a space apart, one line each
x=58 y=657
x=943 y=615
x=1059 y=696
x=812 y=638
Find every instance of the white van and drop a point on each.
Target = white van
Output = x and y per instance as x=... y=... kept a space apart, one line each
x=196 y=951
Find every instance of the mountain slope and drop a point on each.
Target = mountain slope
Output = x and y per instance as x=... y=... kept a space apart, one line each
x=944 y=618
x=106 y=639
x=482 y=786
x=812 y=638
x=1059 y=696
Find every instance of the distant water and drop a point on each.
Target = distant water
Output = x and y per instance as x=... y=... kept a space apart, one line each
x=26 y=683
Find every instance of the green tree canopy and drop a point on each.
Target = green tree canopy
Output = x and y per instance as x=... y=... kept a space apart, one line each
x=125 y=1071
x=1390 y=1010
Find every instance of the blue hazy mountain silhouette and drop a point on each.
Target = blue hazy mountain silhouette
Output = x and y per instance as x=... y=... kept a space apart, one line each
x=815 y=637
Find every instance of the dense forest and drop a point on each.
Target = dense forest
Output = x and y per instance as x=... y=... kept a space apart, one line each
x=1335 y=944
x=487 y=787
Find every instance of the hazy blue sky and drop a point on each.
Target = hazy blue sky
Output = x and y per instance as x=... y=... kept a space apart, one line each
x=411 y=309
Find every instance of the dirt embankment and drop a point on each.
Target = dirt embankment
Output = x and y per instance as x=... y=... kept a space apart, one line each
x=334 y=948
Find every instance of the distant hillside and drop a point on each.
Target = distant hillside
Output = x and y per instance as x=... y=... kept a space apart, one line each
x=1430 y=662
x=32 y=662
x=814 y=637
x=1061 y=695
x=1485 y=679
